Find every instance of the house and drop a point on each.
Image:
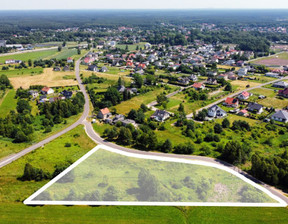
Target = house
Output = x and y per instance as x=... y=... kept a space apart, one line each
x=184 y=81
x=43 y=99
x=54 y=99
x=281 y=116
x=240 y=63
x=231 y=102
x=243 y=113
x=193 y=78
x=272 y=74
x=280 y=84
x=212 y=73
x=47 y=90
x=198 y=86
x=33 y=93
x=283 y=92
x=160 y=115
x=67 y=94
x=244 y=95
x=129 y=64
x=216 y=111
x=104 y=113
x=2 y=43
x=104 y=69
x=121 y=89
x=242 y=72
x=147 y=46
x=69 y=60
x=93 y=68
x=66 y=68
x=211 y=81
x=57 y=69
x=255 y=107
x=222 y=76
x=232 y=76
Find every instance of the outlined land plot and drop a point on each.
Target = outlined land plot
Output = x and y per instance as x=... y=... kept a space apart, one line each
x=106 y=176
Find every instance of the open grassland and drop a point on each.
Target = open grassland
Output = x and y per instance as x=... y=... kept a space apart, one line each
x=8 y=102
x=241 y=85
x=22 y=72
x=48 y=78
x=274 y=102
x=263 y=91
x=37 y=55
x=274 y=60
x=135 y=103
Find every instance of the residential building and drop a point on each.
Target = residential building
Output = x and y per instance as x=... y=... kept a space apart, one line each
x=67 y=94
x=255 y=107
x=93 y=68
x=69 y=60
x=280 y=84
x=198 y=86
x=244 y=95
x=281 y=116
x=216 y=111
x=160 y=115
x=47 y=90
x=283 y=92
x=34 y=93
x=231 y=102
x=244 y=113
x=104 y=114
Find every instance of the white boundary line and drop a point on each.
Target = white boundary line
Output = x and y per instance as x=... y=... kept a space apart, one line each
x=30 y=201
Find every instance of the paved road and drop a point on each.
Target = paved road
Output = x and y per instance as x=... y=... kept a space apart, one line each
x=95 y=137
x=189 y=116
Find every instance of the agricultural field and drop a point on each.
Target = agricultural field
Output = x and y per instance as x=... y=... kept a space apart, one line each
x=280 y=59
x=48 y=78
x=63 y=54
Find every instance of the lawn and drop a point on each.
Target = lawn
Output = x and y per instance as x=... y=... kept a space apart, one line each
x=37 y=55
x=47 y=78
x=274 y=102
x=8 y=102
x=241 y=85
x=263 y=91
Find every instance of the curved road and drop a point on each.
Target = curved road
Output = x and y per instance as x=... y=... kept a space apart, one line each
x=96 y=138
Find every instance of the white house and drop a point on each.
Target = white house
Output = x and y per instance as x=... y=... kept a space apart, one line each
x=216 y=111
x=47 y=90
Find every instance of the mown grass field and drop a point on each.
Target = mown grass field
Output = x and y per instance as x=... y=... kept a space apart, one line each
x=131 y=47
x=37 y=55
x=8 y=102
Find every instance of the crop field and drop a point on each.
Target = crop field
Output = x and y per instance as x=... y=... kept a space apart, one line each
x=48 y=78
x=274 y=60
x=64 y=54
x=31 y=55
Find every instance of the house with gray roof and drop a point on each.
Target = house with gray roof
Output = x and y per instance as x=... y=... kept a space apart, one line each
x=160 y=115
x=281 y=116
x=255 y=107
x=216 y=111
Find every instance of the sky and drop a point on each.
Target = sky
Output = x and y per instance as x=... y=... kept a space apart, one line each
x=143 y=4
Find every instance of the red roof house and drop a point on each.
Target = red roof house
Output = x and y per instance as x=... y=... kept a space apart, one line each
x=231 y=102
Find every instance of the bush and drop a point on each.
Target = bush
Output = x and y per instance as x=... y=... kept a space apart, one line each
x=67 y=144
